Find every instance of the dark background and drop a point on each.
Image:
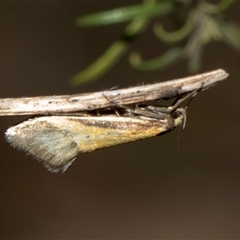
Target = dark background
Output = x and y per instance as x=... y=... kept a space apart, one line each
x=136 y=190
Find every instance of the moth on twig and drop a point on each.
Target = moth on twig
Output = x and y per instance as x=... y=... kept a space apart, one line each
x=85 y=122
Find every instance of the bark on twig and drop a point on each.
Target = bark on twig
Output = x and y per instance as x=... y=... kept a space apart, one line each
x=96 y=101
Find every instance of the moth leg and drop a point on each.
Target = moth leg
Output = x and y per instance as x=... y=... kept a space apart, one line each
x=138 y=111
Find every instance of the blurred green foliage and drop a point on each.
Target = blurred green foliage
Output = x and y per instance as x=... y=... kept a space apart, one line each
x=196 y=22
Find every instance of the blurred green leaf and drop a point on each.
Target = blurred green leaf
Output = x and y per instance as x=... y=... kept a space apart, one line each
x=102 y=64
x=222 y=6
x=231 y=34
x=178 y=35
x=146 y=10
x=194 y=62
x=111 y=55
x=165 y=60
x=197 y=23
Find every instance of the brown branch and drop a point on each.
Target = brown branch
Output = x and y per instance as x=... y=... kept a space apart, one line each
x=96 y=101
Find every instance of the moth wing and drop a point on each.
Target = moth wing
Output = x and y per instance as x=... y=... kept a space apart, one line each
x=40 y=137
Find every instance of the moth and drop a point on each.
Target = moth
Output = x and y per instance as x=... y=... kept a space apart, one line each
x=100 y=120
x=57 y=140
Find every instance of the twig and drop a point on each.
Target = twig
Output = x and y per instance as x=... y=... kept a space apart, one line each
x=96 y=101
